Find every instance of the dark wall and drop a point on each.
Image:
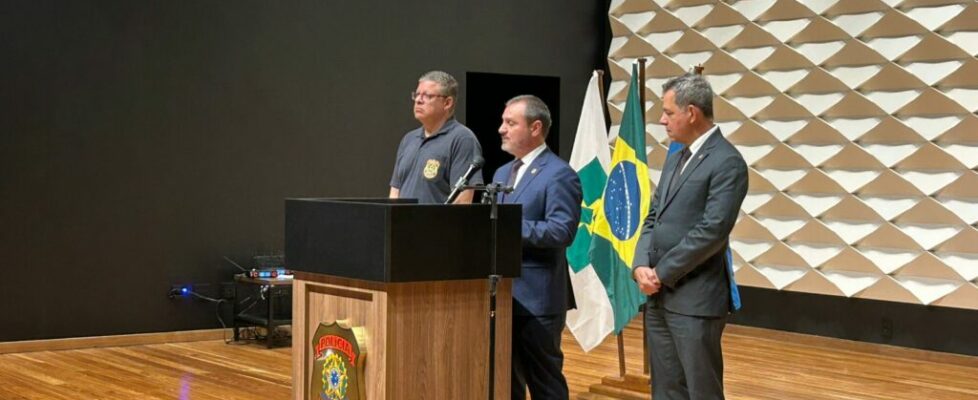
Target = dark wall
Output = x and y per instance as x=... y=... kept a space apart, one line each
x=909 y=325
x=140 y=141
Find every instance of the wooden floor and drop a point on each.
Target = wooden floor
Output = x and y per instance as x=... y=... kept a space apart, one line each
x=760 y=364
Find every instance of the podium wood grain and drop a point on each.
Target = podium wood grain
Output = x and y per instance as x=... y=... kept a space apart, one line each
x=425 y=340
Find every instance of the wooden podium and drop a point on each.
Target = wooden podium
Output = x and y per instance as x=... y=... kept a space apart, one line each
x=414 y=278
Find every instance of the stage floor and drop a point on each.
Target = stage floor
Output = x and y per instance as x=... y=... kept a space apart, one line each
x=760 y=364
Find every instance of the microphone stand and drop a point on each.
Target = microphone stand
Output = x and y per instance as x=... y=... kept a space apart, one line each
x=490 y=191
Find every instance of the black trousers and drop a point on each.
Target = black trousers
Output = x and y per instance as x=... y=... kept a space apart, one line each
x=537 y=360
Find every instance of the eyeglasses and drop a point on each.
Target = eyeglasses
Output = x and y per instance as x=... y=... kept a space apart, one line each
x=425 y=97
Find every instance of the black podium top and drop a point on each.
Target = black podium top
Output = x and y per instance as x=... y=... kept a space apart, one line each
x=395 y=240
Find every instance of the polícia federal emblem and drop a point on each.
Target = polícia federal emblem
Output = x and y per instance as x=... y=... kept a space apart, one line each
x=431 y=168
x=338 y=363
x=336 y=380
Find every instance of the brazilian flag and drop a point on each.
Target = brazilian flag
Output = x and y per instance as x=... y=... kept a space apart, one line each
x=620 y=213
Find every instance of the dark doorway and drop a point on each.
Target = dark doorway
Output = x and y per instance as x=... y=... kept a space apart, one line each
x=485 y=99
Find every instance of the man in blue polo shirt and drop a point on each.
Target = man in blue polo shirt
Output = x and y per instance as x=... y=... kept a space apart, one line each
x=431 y=158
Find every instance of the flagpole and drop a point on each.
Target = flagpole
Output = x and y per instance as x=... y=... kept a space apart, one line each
x=641 y=90
x=641 y=96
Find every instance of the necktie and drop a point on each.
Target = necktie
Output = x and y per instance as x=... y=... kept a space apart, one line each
x=676 y=173
x=511 y=182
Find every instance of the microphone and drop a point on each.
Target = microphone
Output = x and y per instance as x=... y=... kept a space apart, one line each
x=495 y=188
x=464 y=179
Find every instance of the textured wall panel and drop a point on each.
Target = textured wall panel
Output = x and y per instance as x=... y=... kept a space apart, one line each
x=857 y=120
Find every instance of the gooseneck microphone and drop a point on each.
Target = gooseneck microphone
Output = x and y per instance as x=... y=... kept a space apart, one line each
x=476 y=165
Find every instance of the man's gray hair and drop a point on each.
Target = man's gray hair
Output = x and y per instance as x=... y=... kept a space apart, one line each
x=536 y=110
x=449 y=86
x=692 y=89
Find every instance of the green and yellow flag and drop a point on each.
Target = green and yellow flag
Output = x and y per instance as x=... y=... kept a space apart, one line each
x=594 y=317
x=621 y=211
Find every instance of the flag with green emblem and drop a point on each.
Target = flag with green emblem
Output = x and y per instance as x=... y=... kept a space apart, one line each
x=594 y=317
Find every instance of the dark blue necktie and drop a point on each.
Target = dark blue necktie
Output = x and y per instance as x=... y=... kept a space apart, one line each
x=511 y=182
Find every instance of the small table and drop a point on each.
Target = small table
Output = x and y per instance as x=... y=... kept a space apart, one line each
x=269 y=290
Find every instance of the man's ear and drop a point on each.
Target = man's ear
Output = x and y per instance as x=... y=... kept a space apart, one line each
x=694 y=113
x=537 y=128
x=449 y=102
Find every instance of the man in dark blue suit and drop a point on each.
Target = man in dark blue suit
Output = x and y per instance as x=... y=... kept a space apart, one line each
x=550 y=193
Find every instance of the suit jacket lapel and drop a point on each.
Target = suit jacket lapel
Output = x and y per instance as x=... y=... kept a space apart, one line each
x=528 y=175
x=693 y=162
x=667 y=180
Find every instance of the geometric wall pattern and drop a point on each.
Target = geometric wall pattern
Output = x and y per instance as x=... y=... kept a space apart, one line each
x=857 y=120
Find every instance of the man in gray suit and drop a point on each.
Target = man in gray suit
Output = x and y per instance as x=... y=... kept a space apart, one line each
x=680 y=261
